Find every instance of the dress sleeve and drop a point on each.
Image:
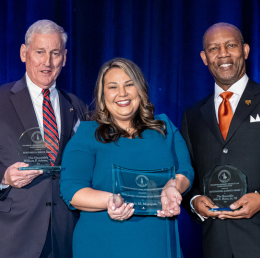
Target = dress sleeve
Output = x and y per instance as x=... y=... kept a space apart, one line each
x=78 y=163
x=180 y=151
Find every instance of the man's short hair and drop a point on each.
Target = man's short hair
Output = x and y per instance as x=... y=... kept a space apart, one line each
x=45 y=27
x=223 y=24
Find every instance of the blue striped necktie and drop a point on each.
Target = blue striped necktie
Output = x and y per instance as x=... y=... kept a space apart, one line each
x=51 y=136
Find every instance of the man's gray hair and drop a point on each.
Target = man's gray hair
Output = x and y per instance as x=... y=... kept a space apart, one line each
x=223 y=24
x=45 y=27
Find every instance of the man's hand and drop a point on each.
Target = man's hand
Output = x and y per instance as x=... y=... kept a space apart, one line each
x=202 y=205
x=249 y=203
x=19 y=178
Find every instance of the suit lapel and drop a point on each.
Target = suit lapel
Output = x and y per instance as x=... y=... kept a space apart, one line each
x=209 y=115
x=243 y=110
x=23 y=105
x=67 y=121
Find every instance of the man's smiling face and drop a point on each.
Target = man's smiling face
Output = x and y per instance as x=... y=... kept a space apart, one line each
x=44 y=58
x=225 y=55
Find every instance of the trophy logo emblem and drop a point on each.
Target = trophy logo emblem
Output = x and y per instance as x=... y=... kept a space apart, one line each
x=142 y=181
x=224 y=176
x=37 y=137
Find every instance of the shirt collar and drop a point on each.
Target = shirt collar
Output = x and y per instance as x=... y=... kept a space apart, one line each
x=35 y=90
x=237 y=88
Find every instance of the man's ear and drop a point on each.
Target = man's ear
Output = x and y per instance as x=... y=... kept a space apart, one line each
x=23 y=53
x=246 y=50
x=203 y=57
x=64 y=57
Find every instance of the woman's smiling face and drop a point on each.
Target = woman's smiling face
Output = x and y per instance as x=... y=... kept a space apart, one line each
x=121 y=96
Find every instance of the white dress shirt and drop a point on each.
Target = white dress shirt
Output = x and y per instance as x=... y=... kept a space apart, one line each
x=37 y=99
x=237 y=89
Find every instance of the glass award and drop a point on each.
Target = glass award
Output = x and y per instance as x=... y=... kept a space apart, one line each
x=32 y=150
x=224 y=185
x=141 y=187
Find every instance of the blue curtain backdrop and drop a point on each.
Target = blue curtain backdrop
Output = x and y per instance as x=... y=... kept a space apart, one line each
x=164 y=37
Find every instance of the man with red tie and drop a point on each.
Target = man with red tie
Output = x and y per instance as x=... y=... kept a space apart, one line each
x=34 y=220
x=223 y=129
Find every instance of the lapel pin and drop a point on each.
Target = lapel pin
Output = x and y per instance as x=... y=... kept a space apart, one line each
x=71 y=109
x=248 y=102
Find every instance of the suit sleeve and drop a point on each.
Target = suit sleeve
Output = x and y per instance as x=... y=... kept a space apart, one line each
x=2 y=171
x=3 y=192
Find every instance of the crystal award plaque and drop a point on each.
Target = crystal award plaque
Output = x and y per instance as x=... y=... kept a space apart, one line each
x=224 y=185
x=141 y=187
x=32 y=150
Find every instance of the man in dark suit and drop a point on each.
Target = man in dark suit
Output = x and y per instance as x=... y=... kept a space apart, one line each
x=223 y=129
x=34 y=220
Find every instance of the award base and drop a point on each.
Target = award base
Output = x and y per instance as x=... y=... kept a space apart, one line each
x=45 y=169
x=221 y=209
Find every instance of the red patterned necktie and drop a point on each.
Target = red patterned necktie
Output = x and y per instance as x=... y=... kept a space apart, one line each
x=225 y=113
x=51 y=136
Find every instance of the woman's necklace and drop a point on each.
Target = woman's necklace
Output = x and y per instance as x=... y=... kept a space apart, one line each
x=127 y=129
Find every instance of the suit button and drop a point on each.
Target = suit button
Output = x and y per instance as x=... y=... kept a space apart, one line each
x=53 y=177
x=48 y=204
x=225 y=151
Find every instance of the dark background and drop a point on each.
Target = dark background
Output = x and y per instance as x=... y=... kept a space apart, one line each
x=163 y=37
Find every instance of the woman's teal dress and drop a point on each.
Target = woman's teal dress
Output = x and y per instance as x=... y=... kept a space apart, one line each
x=88 y=163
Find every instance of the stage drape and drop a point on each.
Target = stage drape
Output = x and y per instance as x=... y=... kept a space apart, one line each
x=164 y=37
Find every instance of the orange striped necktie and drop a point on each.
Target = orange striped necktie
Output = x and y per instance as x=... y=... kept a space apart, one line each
x=225 y=113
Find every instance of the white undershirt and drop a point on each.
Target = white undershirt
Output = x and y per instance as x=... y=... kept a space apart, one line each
x=37 y=99
x=237 y=89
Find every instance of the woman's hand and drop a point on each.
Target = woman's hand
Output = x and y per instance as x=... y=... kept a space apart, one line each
x=171 y=200
x=117 y=209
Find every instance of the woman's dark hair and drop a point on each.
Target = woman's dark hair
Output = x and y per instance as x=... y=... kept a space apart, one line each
x=108 y=130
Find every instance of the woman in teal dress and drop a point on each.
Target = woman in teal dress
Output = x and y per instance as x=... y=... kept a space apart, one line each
x=124 y=132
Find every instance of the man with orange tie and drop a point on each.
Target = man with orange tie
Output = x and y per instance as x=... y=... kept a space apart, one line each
x=224 y=129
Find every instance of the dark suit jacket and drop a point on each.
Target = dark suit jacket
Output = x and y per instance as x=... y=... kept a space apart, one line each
x=25 y=213
x=205 y=142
